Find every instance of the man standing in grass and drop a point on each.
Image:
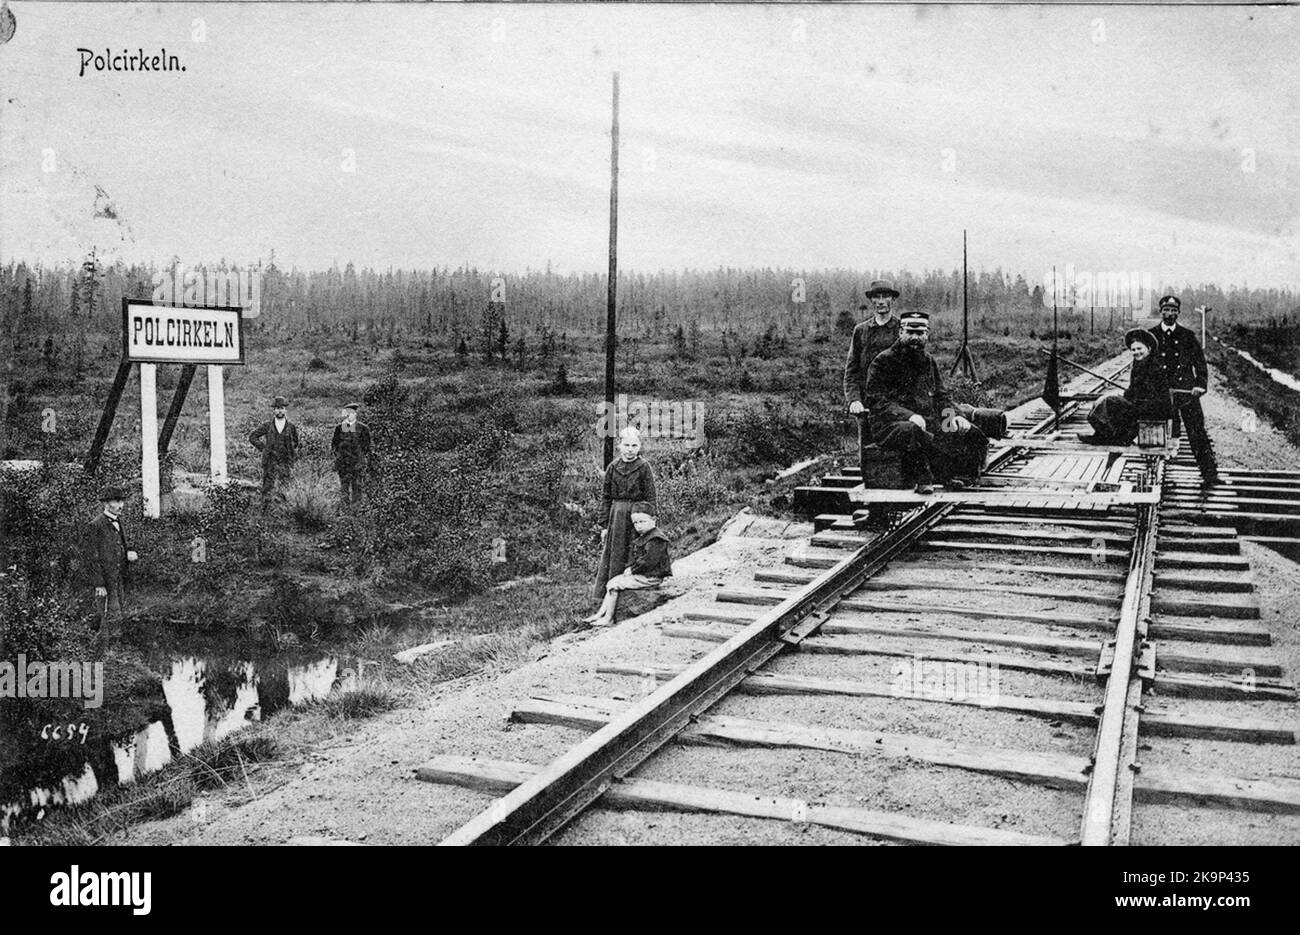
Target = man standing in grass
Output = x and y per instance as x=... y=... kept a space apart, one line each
x=278 y=442
x=107 y=561
x=351 y=447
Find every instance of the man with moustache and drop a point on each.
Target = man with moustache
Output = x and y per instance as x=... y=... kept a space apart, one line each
x=869 y=339
x=913 y=414
x=106 y=560
x=1182 y=359
x=277 y=440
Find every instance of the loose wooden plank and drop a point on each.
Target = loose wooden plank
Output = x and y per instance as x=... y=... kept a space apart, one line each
x=949 y=531
x=1163 y=784
x=1108 y=555
x=884 y=584
x=503 y=775
x=830 y=645
x=1064 y=571
x=1194 y=630
x=1159 y=723
x=842 y=624
x=1188 y=604
x=1222 y=688
x=1055 y=770
x=771 y=597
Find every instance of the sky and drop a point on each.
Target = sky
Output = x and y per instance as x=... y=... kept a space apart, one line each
x=1116 y=138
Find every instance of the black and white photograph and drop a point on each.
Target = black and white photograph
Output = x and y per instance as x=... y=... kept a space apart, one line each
x=651 y=424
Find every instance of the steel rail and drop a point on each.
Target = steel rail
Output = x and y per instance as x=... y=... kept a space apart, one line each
x=1108 y=806
x=545 y=803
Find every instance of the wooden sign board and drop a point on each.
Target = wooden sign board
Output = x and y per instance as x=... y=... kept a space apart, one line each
x=154 y=333
x=181 y=334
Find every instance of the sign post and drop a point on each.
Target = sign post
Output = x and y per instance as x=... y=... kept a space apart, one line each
x=217 y=422
x=152 y=506
x=155 y=334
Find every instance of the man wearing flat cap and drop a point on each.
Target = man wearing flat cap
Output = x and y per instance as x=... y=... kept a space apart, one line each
x=351 y=447
x=277 y=440
x=1182 y=359
x=106 y=560
x=1114 y=418
x=912 y=413
x=869 y=339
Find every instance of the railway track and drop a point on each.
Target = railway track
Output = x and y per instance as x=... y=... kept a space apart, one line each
x=1069 y=654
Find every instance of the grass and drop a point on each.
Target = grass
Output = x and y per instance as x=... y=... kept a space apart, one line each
x=162 y=794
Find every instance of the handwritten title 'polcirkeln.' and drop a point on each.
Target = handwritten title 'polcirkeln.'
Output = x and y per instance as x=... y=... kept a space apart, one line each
x=126 y=60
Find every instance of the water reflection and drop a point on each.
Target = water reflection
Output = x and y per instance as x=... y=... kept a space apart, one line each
x=206 y=700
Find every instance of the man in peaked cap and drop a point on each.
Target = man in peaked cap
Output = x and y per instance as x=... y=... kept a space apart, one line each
x=1182 y=359
x=912 y=413
x=351 y=447
x=870 y=337
x=277 y=440
x=106 y=559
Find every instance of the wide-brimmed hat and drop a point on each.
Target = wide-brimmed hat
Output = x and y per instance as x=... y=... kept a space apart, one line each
x=113 y=492
x=882 y=287
x=1140 y=334
x=1170 y=301
x=279 y=402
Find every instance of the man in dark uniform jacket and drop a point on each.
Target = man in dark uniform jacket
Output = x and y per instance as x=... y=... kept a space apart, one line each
x=351 y=447
x=278 y=442
x=1182 y=359
x=869 y=339
x=106 y=559
x=912 y=413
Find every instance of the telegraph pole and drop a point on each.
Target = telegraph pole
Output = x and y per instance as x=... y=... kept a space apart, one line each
x=964 y=362
x=612 y=295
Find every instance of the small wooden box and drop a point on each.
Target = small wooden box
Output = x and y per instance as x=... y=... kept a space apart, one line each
x=881 y=469
x=1153 y=433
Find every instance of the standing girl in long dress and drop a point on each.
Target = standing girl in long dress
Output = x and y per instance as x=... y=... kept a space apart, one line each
x=628 y=482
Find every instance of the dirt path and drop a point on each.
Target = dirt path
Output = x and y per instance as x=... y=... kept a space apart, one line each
x=361 y=789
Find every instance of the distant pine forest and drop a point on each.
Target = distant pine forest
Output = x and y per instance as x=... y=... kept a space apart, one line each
x=447 y=306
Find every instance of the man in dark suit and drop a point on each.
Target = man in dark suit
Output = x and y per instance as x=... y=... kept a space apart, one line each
x=912 y=413
x=351 y=447
x=869 y=339
x=1182 y=359
x=107 y=559
x=278 y=442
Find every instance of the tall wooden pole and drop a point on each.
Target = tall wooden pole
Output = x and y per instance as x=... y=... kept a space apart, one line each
x=149 y=479
x=612 y=295
x=965 y=309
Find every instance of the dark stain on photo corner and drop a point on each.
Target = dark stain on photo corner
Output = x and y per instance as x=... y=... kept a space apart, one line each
x=137 y=60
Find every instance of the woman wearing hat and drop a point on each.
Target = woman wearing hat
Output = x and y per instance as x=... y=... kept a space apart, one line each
x=629 y=483
x=1115 y=418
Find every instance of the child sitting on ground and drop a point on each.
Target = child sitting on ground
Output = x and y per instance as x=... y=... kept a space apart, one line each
x=650 y=565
